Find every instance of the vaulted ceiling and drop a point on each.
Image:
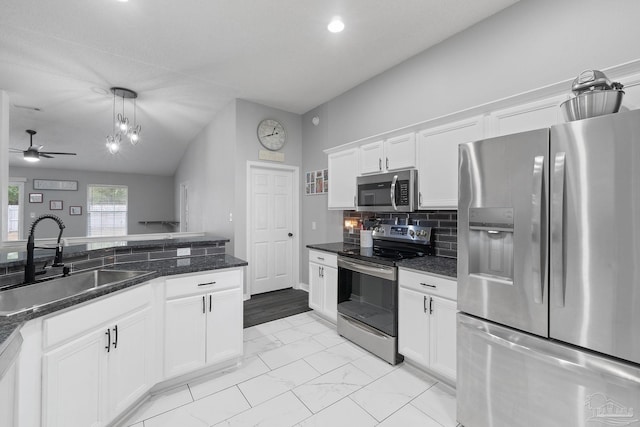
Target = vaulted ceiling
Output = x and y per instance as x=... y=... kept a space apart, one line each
x=189 y=58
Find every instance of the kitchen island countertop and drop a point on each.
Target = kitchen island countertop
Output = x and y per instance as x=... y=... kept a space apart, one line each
x=10 y=326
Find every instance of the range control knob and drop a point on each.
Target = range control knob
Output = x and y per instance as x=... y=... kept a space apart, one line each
x=422 y=233
x=379 y=230
x=412 y=233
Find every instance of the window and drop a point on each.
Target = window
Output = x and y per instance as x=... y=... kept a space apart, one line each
x=107 y=210
x=14 y=218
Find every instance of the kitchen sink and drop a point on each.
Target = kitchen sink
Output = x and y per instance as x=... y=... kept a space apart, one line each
x=38 y=295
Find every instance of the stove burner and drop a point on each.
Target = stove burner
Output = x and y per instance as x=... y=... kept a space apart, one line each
x=396 y=254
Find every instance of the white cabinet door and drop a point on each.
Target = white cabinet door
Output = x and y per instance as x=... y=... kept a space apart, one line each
x=131 y=360
x=413 y=325
x=316 y=285
x=400 y=152
x=74 y=382
x=343 y=169
x=438 y=161
x=522 y=118
x=185 y=329
x=371 y=158
x=330 y=293
x=224 y=325
x=8 y=393
x=442 y=337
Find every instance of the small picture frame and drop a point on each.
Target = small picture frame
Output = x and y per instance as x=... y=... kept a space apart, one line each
x=35 y=197
x=75 y=210
x=55 y=205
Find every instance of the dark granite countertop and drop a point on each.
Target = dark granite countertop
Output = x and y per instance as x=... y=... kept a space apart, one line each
x=12 y=258
x=10 y=326
x=442 y=266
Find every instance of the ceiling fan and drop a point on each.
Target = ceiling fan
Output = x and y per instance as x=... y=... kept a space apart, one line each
x=33 y=154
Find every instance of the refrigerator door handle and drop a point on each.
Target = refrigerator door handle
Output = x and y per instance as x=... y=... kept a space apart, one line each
x=536 y=228
x=557 y=230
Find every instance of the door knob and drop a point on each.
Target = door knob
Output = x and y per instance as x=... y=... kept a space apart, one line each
x=290 y=234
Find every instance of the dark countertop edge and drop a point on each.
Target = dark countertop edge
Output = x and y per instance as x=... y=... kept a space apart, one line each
x=437 y=266
x=429 y=272
x=84 y=248
x=13 y=324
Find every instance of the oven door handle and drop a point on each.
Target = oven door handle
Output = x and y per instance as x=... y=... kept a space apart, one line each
x=387 y=273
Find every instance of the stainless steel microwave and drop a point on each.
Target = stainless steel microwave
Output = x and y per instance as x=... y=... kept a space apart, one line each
x=388 y=192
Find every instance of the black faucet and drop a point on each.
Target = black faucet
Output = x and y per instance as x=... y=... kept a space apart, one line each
x=30 y=268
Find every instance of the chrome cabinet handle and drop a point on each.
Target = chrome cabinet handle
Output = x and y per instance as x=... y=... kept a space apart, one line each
x=108 y=334
x=429 y=285
x=536 y=229
x=557 y=230
x=393 y=192
x=379 y=163
x=424 y=303
x=115 y=332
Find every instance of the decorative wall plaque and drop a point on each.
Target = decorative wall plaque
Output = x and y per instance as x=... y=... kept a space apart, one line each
x=54 y=184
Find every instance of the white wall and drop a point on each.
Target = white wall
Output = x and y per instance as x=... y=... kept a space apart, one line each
x=529 y=45
x=215 y=166
x=150 y=199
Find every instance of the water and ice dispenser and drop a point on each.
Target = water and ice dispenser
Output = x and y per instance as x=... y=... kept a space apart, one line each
x=491 y=243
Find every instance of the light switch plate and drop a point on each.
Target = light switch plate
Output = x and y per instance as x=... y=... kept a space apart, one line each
x=184 y=251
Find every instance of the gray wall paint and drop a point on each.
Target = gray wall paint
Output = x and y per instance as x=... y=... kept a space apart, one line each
x=215 y=166
x=529 y=45
x=150 y=198
x=206 y=168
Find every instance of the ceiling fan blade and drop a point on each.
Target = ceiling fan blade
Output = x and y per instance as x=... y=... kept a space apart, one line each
x=46 y=155
x=53 y=152
x=15 y=150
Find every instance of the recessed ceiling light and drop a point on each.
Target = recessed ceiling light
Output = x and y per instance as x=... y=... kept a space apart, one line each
x=336 y=25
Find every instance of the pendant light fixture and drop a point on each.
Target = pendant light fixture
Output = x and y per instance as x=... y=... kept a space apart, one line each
x=121 y=126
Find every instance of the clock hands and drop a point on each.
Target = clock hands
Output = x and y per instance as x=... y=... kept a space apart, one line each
x=272 y=133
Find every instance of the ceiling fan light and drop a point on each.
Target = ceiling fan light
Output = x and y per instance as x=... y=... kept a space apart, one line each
x=336 y=25
x=31 y=156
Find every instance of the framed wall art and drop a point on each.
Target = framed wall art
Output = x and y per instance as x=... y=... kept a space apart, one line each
x=55 y=205
x=317 y=182
x=35 y=197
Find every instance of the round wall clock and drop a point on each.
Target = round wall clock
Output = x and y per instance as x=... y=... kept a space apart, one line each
x=271 y=134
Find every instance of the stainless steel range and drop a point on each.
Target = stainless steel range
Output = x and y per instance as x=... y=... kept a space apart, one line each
x=368 y=287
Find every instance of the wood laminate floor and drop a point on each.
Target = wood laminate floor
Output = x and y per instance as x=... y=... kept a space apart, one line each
x=274 y=305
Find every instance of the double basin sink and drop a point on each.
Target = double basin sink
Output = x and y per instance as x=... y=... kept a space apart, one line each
x=41 y=294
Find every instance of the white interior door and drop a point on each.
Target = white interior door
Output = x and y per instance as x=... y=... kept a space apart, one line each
x=271 y=223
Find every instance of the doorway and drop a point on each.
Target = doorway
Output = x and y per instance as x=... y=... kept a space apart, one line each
x=273 y=227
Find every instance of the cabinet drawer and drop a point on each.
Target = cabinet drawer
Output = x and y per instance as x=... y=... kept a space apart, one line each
x=191 y=284
x=88 y=317
x=424 y=282
x=324 y=258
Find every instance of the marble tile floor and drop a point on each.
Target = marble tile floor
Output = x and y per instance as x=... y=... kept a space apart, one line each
x=298 y=371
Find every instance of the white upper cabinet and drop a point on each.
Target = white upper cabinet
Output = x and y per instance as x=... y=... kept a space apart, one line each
x=343 y=169
x=535 y=115
x=391 y=154
x=438 y=161
x=371 y=156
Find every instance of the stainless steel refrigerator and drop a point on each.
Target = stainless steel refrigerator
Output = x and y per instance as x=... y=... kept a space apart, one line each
x=549 y=276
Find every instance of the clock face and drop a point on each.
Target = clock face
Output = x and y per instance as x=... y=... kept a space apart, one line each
x=271 y=134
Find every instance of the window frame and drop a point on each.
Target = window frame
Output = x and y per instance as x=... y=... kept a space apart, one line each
x=90 y=211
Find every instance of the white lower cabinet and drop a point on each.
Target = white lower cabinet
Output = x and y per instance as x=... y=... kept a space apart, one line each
x=323 y=284
x=427 y=322
x=203 y=321
x=96 y=368
x=8 y=393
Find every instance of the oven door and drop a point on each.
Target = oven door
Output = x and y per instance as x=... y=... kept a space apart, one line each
x=368 y=293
